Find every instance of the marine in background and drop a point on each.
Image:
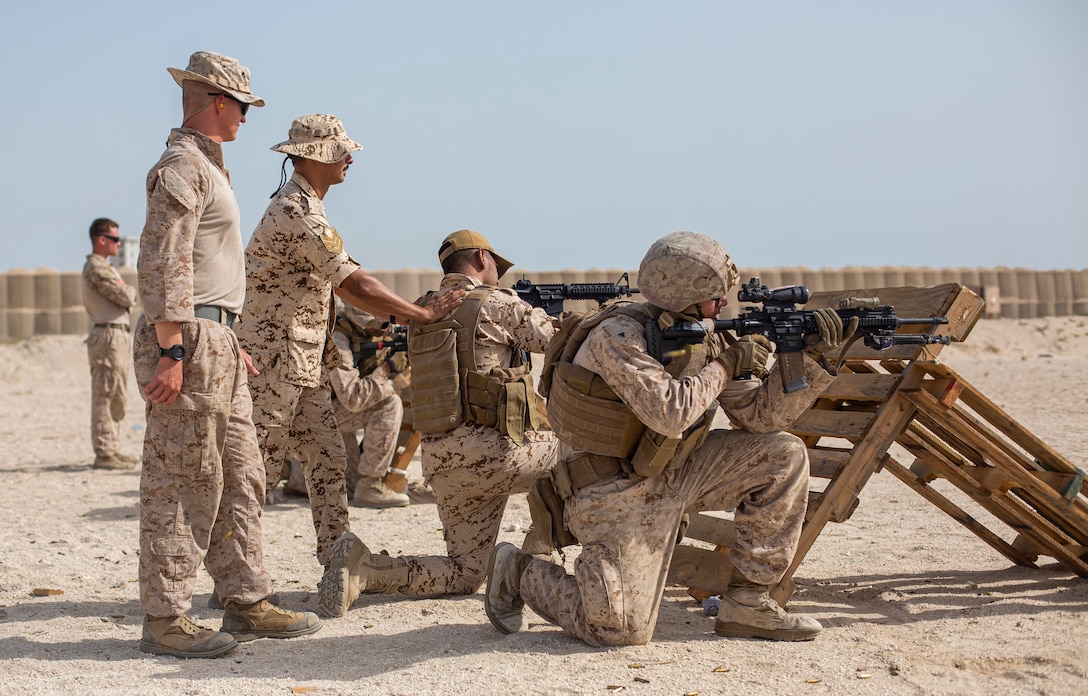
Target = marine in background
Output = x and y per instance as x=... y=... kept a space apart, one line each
x=108 y=301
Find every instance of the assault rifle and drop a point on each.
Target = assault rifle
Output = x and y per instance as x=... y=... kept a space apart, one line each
x=550 y=296
x=788 y=327
x=397 y=344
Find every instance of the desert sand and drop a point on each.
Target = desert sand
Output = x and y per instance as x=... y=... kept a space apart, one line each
x=911 y=602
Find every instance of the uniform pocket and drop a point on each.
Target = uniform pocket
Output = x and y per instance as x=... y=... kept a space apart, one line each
x=190 y=441
x=601 y=583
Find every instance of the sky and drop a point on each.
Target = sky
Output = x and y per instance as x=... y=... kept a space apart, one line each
x=574 y=133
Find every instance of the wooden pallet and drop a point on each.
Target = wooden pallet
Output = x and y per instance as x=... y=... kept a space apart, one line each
x=904 y=395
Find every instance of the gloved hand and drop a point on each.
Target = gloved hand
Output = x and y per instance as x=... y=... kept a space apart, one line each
x=747 y=356
x=398 y=362
x=830 y=332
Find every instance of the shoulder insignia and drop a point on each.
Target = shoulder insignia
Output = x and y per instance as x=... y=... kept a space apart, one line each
x=332 y=241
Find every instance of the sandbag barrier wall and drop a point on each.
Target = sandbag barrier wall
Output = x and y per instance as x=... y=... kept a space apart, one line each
x=50 y=302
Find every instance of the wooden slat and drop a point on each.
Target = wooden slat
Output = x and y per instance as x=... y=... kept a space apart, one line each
x=827 y=462
x=1071 y=518
x=908 y=477
x=713 y=530
x=846 y=424
x=854 y=387
x=1046 y=455
x=702 y=569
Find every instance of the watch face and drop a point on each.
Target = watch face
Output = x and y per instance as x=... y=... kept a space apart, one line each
x=173 y=352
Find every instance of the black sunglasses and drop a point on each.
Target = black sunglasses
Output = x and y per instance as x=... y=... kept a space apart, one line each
x=245 y=107
x=110 y=237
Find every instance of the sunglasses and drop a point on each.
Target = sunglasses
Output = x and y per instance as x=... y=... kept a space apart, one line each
x=110 y=237
x=242 y=104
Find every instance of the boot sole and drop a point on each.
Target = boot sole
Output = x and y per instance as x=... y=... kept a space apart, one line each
x=332 y=593
x=160 y=649
x=243 y=636
x=495 y=620
x=736 y=630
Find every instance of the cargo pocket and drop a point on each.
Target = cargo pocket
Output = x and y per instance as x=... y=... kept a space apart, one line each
x=600 y=581
x=191 y=441
x=178 y=550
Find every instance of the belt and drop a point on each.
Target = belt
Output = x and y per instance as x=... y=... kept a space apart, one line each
x=223 y=316
x=123 y=327
x=585 y=470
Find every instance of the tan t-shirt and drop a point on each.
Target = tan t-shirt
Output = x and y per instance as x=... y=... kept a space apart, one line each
x=191 y=246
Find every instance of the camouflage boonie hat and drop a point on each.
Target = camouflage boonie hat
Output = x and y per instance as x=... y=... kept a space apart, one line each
x=685 y=268
x=219 y=71
x=319 y=137
x=467 y=239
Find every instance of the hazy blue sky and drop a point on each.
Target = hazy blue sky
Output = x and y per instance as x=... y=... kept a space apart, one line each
x=573 y=134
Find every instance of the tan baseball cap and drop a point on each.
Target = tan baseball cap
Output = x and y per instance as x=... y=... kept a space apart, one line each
x=318 y=137
x=222 y=72
x=467 y=239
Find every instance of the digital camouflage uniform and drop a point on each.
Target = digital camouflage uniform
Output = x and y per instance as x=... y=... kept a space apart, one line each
x=107 y=300
x=364 y=403
x=293 y=261
x=627 y=525
x=202 y=485
x=474 y=468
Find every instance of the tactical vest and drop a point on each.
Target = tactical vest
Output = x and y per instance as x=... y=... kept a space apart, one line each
x=447 y=389
x=586 y=413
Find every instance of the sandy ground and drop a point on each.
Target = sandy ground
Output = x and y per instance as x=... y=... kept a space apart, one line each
x=911 y=602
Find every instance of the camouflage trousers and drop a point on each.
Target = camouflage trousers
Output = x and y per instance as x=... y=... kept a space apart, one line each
x=202 y=485
x=298 y=421
x=381 y=423
x=473 y=470
x=628 y=527
x=109 y=353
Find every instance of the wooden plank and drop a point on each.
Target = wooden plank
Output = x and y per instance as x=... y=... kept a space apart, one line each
x=1024 y=517
x=714 y=530
x=841 y=512
x=845 y=424
x=701 y=569
x=864 y=387
x=1046 y=456
x=908 y=477
x=842 y=493
x=1070 y=517
x=827 y=462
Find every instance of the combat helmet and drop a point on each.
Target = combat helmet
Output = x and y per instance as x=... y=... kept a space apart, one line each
x=685 y=268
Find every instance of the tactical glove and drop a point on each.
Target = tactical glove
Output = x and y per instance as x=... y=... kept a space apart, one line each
x=748 y=356
x=830 y=332
x=398 y=362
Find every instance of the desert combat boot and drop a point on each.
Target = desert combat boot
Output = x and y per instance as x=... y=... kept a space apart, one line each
x=373 y=493
x=264 y=619
x=352 y=570
x=747 y=611
x=502 y=599
x=180 y=636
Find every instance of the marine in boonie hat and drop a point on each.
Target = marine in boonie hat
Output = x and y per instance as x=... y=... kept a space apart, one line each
x=467 y=239
x=319 y=137
x=222 y=72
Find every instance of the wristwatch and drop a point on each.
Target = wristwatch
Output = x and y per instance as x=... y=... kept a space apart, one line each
x=175 y=352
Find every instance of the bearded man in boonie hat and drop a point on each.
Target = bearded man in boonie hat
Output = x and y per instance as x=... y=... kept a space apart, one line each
x=201 y=484
x=295 y=262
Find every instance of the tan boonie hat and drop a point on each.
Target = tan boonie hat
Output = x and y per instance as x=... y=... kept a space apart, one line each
x=219 y=71
x=467 y=239
x=318 y=137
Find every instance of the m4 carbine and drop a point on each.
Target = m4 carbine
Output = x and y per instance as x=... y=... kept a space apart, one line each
x=791 y=329
x=550 y=296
